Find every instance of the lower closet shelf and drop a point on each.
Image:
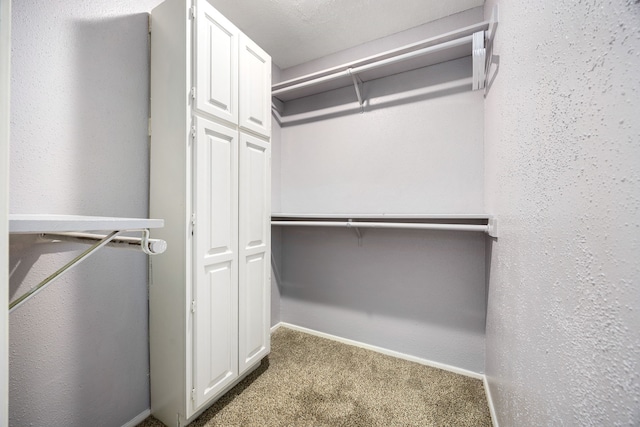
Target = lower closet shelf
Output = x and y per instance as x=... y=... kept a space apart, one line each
x=445 y=222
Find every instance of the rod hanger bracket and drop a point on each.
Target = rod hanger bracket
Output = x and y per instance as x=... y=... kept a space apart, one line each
x=352 y=225
x=492 y=227
x=357 y=84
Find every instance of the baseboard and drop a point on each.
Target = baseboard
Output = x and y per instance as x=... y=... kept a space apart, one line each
x=492 y=409
x=138 y=419
x=388 y=352
x=276 y=327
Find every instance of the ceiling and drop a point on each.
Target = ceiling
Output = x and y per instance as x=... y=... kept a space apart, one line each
x=296 y=31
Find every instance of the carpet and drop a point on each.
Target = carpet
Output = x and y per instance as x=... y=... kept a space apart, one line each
x=312 y=381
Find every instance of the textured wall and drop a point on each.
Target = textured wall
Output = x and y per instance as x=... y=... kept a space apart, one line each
x=420 y=293
x=79 y=350
x=562 y=150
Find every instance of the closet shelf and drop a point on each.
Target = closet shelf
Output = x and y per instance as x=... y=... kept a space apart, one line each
x=446 y=222
x=36 y=223
x=424 y=216
x=58 y=228
x=446 y=47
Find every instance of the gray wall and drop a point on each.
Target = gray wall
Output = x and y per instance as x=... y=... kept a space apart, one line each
x=416 y=149
x=79 y=350
x=562 y=151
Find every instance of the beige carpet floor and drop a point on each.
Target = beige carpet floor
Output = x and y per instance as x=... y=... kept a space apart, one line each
x=312 y=381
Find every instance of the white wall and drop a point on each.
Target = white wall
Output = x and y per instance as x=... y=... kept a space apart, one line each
x=79 y=145
x=5 y=62
x=416 y=149
x=562 y=150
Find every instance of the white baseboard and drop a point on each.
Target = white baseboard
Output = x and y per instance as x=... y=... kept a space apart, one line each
x=492 y=409
x=276 y=327
x=138 y=419
x=388 y=352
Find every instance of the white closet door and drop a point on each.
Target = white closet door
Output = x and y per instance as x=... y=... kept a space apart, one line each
x=255 y=87
x=215 y=347
x=216 y=62
x=254 y=250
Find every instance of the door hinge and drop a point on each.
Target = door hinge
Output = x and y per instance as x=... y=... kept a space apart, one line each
x=193 y=306
x=193 y=394
x=193 y=223
x=193 y=131
x=192 y=12
x=193 y=92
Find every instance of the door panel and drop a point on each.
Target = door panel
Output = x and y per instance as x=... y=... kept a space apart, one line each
x=254 y=250
x=254 y=300
x=216 y=64
x=216 y=260
x=255 y=87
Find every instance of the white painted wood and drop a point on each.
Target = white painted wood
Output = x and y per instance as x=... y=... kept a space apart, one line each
x=24 y=223
x=216 y=69
x=255 y=88
x=255 y=250
x=195 y=180
x=170 y=175
x=492 y=408
x=5 y=80
x=388 y=352
x=215 y=346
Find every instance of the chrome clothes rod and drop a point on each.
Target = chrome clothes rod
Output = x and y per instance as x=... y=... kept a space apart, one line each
x=144 y=243
x=407 y=225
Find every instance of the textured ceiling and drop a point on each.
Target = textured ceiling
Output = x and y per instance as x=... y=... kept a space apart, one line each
x=296 y=31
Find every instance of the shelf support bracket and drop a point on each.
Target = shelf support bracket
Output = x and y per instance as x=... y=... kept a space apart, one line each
x=357 y=84
x=145 y=244
x=18 y=302
x=479 y=55
x=490 y=33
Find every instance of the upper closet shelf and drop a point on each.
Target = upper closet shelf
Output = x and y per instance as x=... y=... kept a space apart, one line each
x=472 y=40
x=35 y=223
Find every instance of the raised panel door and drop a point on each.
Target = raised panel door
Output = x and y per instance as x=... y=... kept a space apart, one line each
x=255 y=87
x=215 y=326
x=216 y=63
x=254 y=251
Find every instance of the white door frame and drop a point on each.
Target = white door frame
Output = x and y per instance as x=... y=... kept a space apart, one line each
x=5 y=81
